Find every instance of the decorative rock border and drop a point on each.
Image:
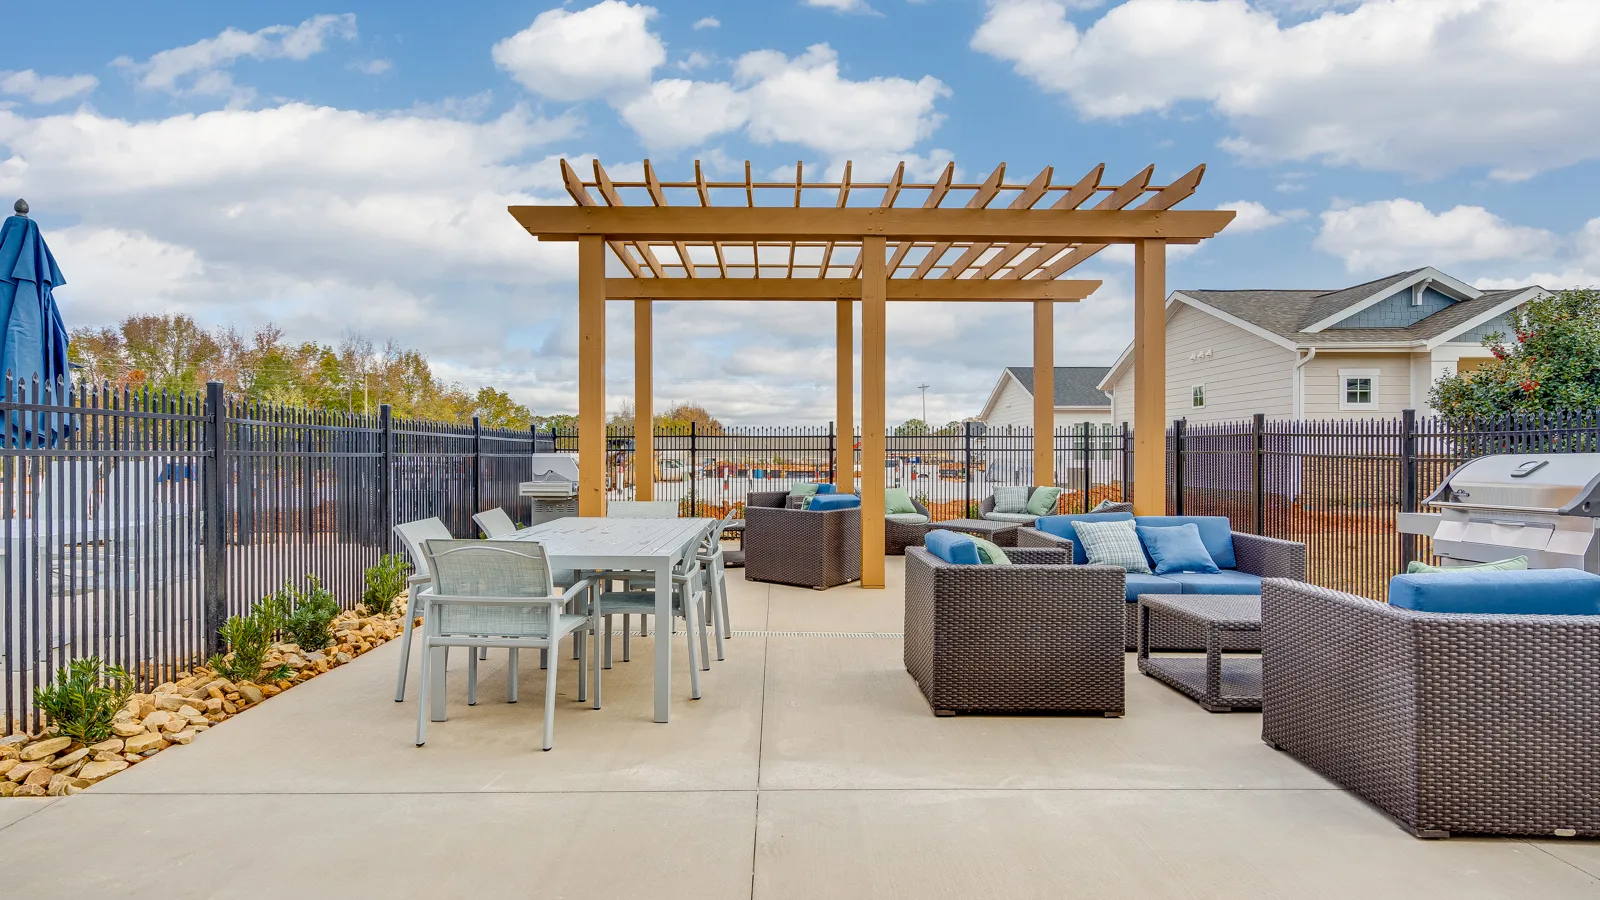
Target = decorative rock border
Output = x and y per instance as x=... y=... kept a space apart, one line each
x=46 y=765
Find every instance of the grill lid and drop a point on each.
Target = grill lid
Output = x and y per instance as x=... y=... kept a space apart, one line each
x=555 y=475
x=1564 y=483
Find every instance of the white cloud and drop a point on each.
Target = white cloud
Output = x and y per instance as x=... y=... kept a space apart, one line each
x=599 y=51
x=373 y=66
x=1416 y=86
x=676 y=112
x=707 y=22
x=842 y=6
x=37 y=88
x=1253 y=216
x=198 y=69
x=1400 y=233
x=1581 y=270
x=695 y=60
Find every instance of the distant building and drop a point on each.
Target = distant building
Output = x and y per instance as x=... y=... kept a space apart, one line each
x=1369 y=350
x=1078 y=398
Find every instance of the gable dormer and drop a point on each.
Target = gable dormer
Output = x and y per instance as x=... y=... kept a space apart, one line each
x=1398 y=301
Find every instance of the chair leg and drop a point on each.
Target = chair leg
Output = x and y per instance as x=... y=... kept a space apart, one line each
x=718 y=624
x=544 y=658
x=690 y=616
x=423 y=697
x=579 y=645
x=705 y=649
x=608 y=643
x=550 y=703
x=472 y=677
x=437 y=686
x=627 y=633
x=722 y=598
x=598 y=655
x=405 y=643
x=644 y=626
x=511 y=677
x=483 y=652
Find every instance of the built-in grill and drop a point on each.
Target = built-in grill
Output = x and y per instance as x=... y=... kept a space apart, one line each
x=1543 y=506
x=554 y=487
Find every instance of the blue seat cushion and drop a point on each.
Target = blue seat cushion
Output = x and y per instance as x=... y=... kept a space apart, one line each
x=824 y=502
x=1549 y=592
x=1227 y=581
x=953 y=547
x=1216 y=532
x=1150 y=584
x=1062 y=527
x=825 y=488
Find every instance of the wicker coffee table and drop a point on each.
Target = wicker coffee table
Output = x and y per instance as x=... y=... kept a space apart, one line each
x=1217 y=684
x=1003 y=534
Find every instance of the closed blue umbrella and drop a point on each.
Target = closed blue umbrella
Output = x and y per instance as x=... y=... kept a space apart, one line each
x=35 y=339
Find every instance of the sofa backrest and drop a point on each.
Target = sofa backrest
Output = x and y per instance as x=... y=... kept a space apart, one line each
x=1216 y=532
x=1550 y=592
x=953 y=547
x=1062 y=527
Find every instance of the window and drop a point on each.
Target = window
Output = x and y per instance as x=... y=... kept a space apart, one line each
x=1358 y=388
x=1199 y=401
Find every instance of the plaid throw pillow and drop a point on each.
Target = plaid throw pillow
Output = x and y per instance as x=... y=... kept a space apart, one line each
x=1011 y=499
x=1112 y=544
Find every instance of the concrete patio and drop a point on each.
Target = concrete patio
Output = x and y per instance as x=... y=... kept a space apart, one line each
x=812 y=768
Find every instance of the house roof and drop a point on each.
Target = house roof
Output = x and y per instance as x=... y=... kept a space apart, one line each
x=1075 y=385
x=1286 y=313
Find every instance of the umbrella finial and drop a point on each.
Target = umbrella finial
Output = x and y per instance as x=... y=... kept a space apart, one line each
x=21 y=206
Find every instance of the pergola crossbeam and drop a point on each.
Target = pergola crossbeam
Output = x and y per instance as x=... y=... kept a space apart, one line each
x=899 y=289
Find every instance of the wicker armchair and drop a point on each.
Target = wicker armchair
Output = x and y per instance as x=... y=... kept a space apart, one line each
x=987 y=506
x=1040 y=635
x=798 y=546
x=1449 y=723
x=897 y=536
x=1254 y=554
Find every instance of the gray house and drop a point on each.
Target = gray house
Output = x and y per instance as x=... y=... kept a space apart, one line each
x=1369 y=350
x=1078 y=395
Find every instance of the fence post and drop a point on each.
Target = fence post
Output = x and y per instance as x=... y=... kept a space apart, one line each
x=215 y=551
x=1127 y=483
x=966 y=467
x=833 y=453
x=1088 y=475
x=1177 y=466
x=1408 y=480
x=694 y=467
x=1260 y=427
x=386 y=479
x=477 y=464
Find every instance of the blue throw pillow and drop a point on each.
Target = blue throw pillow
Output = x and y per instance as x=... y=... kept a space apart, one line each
x=1215 y=531
x=1062 y=527
x=827 y=488
x=1176 y=549
x=953 y=547
x=824 y=502
x=1550 y=592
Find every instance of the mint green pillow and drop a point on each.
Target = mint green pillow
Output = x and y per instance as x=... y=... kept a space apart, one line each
x=802 y=489
x=1513 y=564
x=1043 y=501
x=896 y=500
x=990 y=553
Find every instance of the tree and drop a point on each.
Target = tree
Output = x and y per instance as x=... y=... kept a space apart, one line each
x=681 y=415
x=912 y=428
x=1554 y=364
x=496 y=409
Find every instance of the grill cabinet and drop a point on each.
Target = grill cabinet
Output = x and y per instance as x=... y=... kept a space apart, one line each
x=554 y=487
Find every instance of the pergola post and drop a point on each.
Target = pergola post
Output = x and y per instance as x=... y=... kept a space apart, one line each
x=844 y=478
x=1044 y=392
x=1149 y=377
x=874 y=306
x=644 y=432
x=591 y=375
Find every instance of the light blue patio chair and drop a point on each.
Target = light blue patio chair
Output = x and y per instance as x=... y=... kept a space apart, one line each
x=414 y=535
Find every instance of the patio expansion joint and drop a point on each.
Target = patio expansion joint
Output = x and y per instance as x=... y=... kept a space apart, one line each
x=42 y=807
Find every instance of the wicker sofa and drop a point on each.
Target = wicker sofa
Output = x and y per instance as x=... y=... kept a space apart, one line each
x=1449 y=723
x=1036 y=636
x=1255 y=555
x=986 y=507
x=799 y=546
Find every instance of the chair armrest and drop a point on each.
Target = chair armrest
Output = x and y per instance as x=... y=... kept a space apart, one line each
x=1040 y=556
x=765 y=499
x=1269 y=557
x=1033 y=537
x=418 y=579
x=986 y=507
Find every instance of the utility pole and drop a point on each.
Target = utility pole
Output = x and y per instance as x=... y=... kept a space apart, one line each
x=923 y=387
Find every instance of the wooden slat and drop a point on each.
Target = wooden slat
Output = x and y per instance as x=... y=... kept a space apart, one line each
x=580 y=195
x=659 y=198
x=608 y=192
x=1169 y=196
x=705 y=200
x=1072 y=199
x=980 y=199
x=936 y=196
x=1126 y=193
x=1024 y=200
x=900 y=289
x=891 y=193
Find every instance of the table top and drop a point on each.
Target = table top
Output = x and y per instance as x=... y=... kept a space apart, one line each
x=598 y=539
x=974 y=525
x=1232 y=610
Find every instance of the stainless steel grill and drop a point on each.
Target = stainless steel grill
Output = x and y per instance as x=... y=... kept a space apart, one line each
x=553 y=488
x=1543 y=506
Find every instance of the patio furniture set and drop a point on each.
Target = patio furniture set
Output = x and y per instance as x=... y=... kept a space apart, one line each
x=1466 y=704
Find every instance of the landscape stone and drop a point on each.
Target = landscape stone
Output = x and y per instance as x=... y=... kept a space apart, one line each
x=181 y=737
x=40 y=776
x=73 y=768
x=7 y=789
x=106 y=756
x=132 y=757
x=156 y=720
x=229 y=708
x=8 y=764
x=99 y=769
x=188 y=712
x=169 y=702
x=213 y=704
x=12 y=740
x=46 y=747
x=23 y=769
x=143 y=743
x=341 y=657
x=29 y=790
x=112 y=744
x=10 y=751
x=175 y=724
x=127 y=729
x=67 y=759
x=251 y=693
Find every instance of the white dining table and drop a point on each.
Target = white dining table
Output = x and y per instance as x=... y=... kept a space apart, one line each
x=642 y=545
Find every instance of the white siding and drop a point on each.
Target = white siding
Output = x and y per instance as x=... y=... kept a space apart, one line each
x=1122 y=397
x=1014 y=408
x=1243 y=374
x=1077 y=415
x=1323 y=386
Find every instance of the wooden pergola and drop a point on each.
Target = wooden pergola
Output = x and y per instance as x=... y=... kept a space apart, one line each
x=873 y=243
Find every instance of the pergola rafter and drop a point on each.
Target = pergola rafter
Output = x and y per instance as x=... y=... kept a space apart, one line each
x=849 y=241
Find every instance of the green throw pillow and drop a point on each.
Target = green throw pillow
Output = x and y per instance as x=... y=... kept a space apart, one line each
x=896 y=500
x=1043 y=501
x=989 y=552
x=1514 y=563
x=803 y=489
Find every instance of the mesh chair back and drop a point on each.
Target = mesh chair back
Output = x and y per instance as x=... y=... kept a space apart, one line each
x=642 y=509
x=500 y=569
x=495 y=523
x=416 y=534
x=715 y=540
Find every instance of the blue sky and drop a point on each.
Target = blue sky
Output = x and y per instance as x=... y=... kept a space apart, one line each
x=344 y=169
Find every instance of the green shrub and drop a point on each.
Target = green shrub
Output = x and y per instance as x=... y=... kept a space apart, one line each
x=384 y=581
x=306 y=614
x=248 y=639
x=84 y=699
